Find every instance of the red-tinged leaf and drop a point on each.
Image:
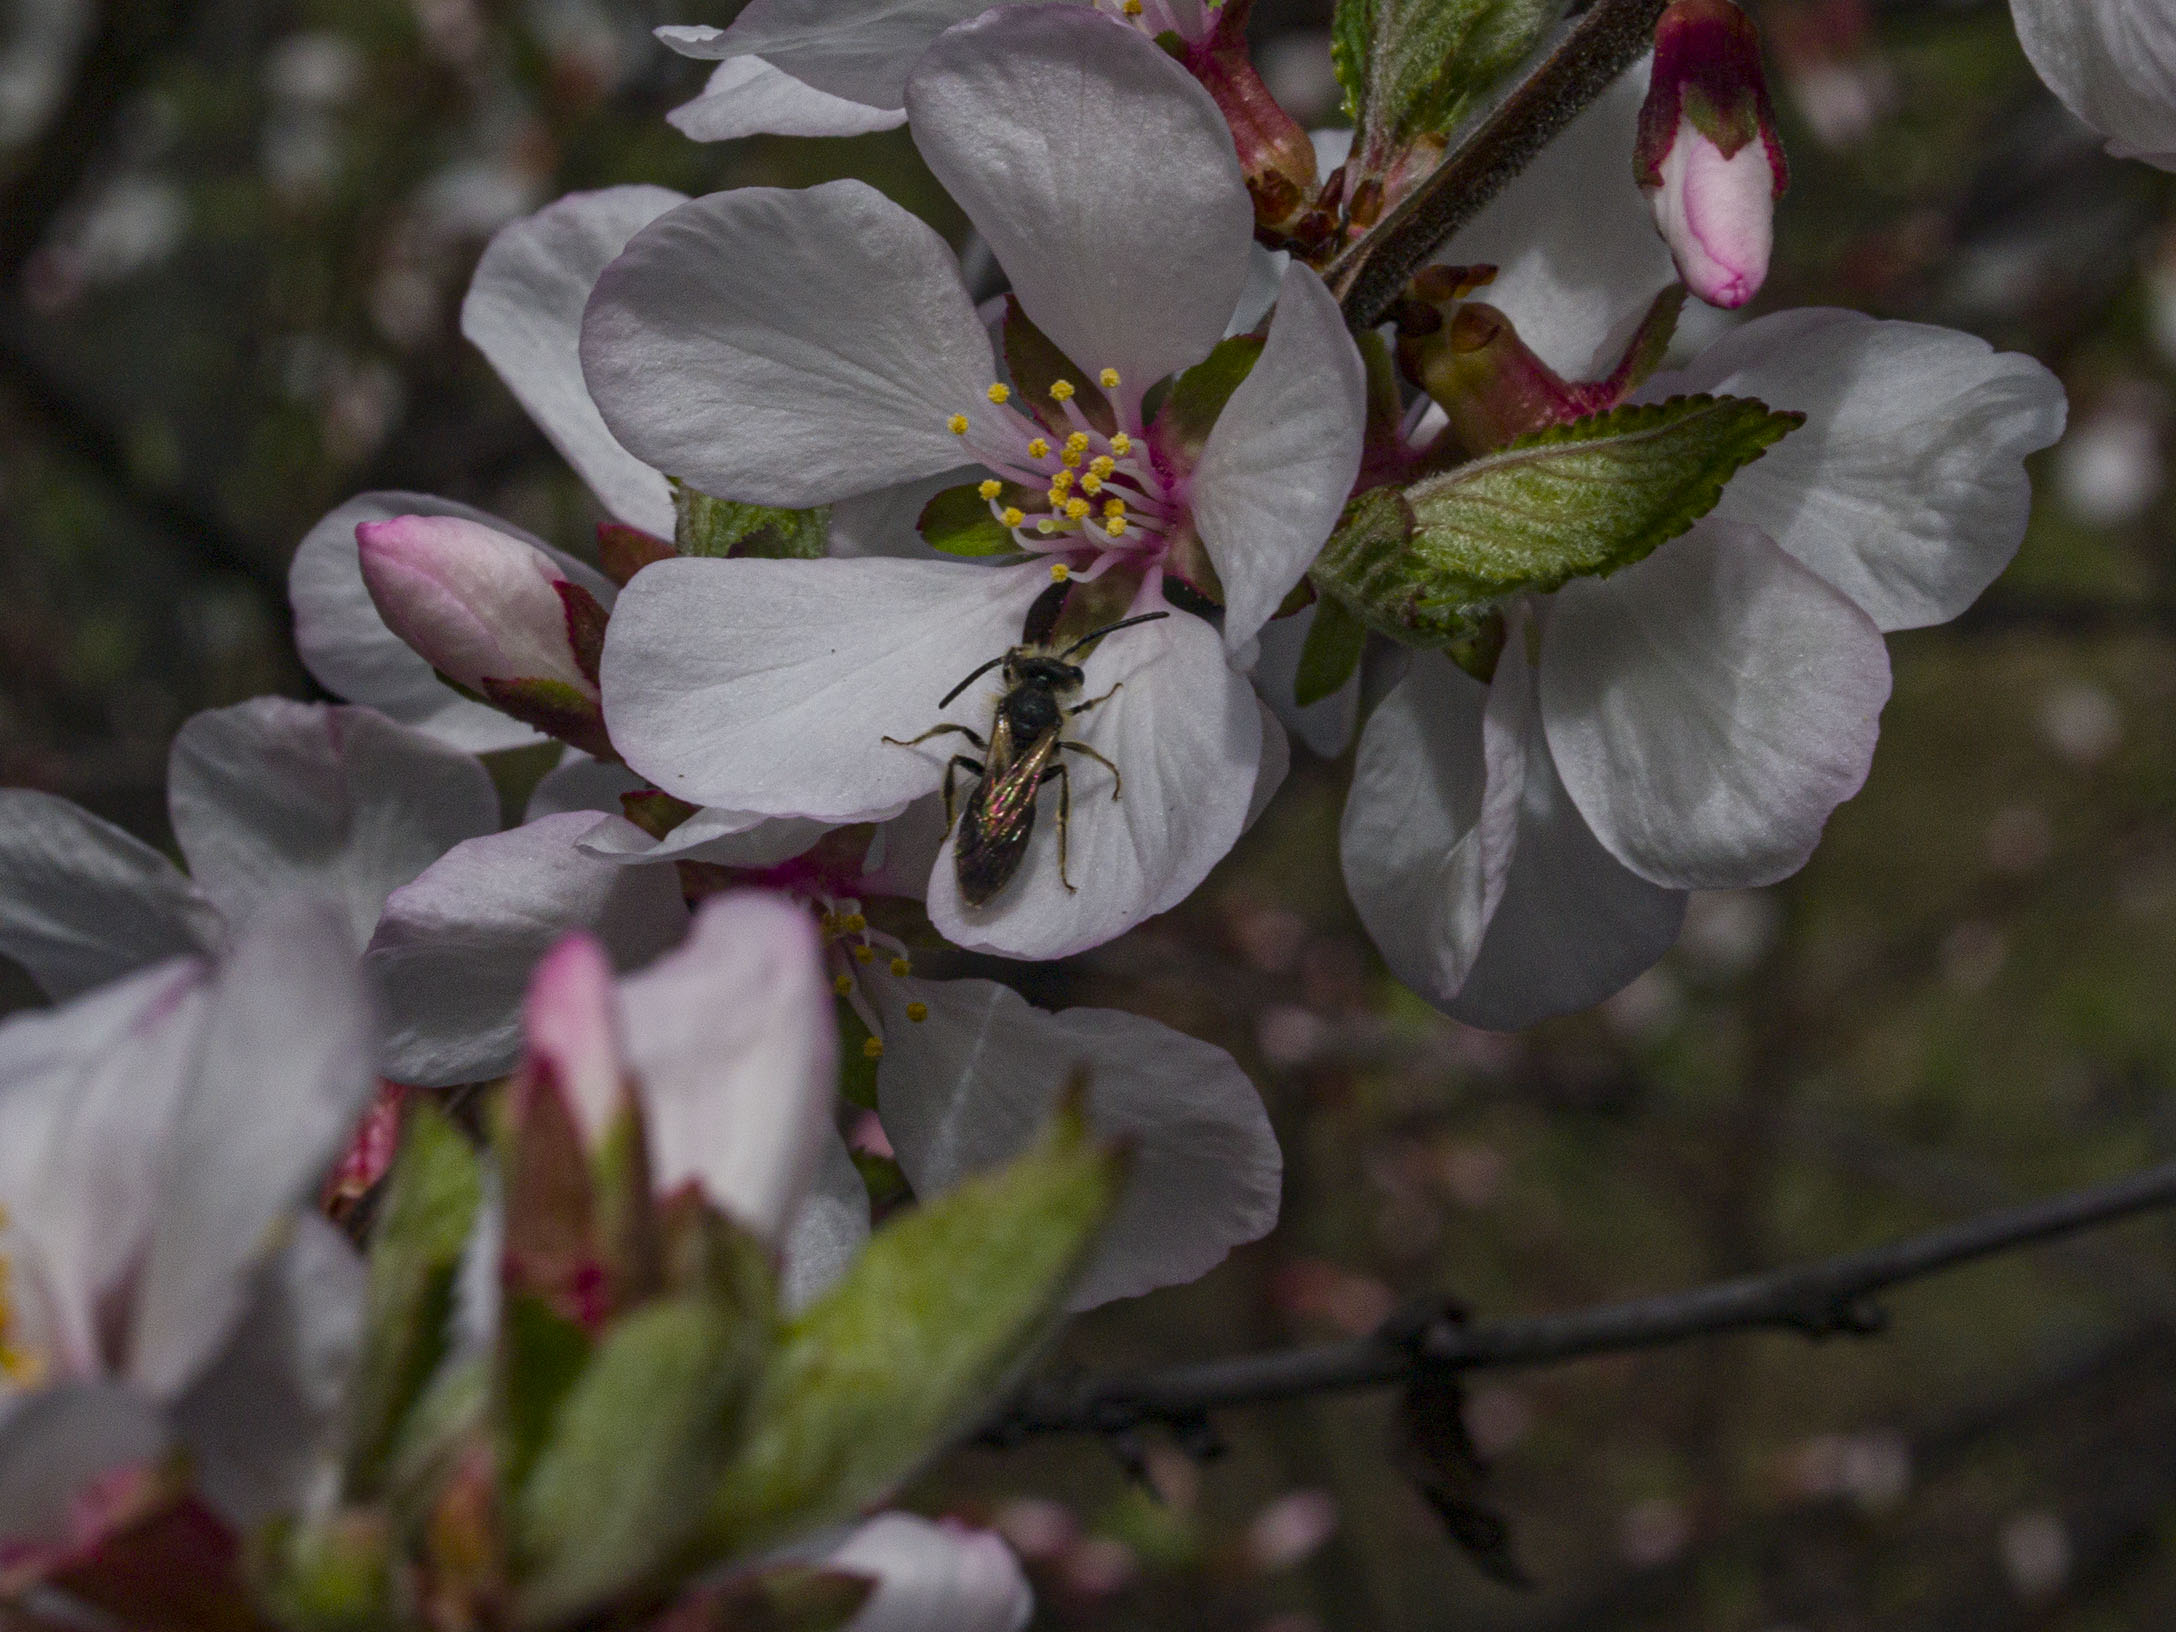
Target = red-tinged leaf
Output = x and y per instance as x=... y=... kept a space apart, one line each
x=555 y=708
x=624 y=551
x=586 y=620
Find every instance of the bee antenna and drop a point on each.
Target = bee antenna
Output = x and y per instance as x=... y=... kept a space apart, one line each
x=977 y=675
x=1108 y=628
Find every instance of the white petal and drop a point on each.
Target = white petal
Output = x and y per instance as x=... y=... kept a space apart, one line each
x=284 y=1071
x=904 y=852
x=770 y=685
x=787 y=348
x=272 y=797
x=1276 y=764
x=1281 y=459
x=828 y=1228
x=725 y=838
x=1103 y=177
x=1574 y=241
x=1187 y=737
x=82 y=902
x=59 y=1441
x=347 y=646
x=1325 y=725
x=934 y=1577
x=1906 y=486
x=578 y=782
x=735 y=1041
x=857 y=48
x=524 y=312
x=1573 y=925
x=1710 y=706
x=2113 y=63
x=259 y=1423
x=454 y=950
x=1430 y=825
x=972 y=1085
x=746 y=96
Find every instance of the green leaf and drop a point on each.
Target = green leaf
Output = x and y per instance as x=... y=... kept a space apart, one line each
x=1583 y=499
x=1035 y=363
x=1415 y=68
x=1368 y=569
x=1351 y=27
x=943 y=1303
x=634 y=1448
x=329 y=1572
x=1331 y=654
x=1197 y=396
x=857 y=1066
x=430 y=1206
x=722 y=527
x=958 y=522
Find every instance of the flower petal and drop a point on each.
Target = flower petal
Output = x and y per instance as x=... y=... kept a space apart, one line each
x=934 y=1577
x=1280 y=462
x=259 y=1422
x=975 y=1082
x=725 y=838
x=1710 y=706
x=1102 y=176
x=284 y=1070
x=82 y=902
x=828 y=1228
x=734 y=1038
x=272 y=797
x=746 y=96
x=347 y=646
x=1430 y=824
x=57 y=1442
x=771 y=685
x=1906 y=486
x=454 y=950
x=857 y=48
x=1187 y=737
x=1573 y=925
x=787 y=348
x=524 y=313
x=578 y=782
x=2113 y=64
x=1573 y=240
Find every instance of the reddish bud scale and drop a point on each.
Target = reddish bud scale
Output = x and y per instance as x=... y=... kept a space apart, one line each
x=1275 y=155
x=624 y=551
x=1707 y=68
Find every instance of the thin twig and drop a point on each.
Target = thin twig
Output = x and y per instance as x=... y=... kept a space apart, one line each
x=1604 y=42
x=1826 y=1298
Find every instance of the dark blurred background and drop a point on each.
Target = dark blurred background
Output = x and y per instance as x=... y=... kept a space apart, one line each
x=233 y=240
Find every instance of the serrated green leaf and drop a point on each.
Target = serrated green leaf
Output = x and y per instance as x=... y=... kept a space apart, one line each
x=1331 y=654
x=1583 y=499
x=430 y=1207
x=943 y=1303
x=634 y=1447
x=1368 y=568
x=721 y=527
x=1415 y=68
x=958 y=522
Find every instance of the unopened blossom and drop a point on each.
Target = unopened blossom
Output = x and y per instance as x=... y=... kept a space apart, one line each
x=1523 y=847
x=267 y=797
x=2113 y=64
x=1708 y=156
x=842 y=356
x=160 y=1139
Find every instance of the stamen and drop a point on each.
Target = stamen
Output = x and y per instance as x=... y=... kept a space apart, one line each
x=999 y=393
x=918 y=1012
x=1121 y=444
x=1108 y=379
x=862 y=954
x=1116 y=526
x=1075 y=509
x=1062 y=482
x=842 y=984
x=1061 y=390
x=853 y=923
x=991 y=489
x=873 y=1048
x=1038 y=449
x=1102 y=465
x=1091 y=483
x=957 y=424
x=1114 y=507
x=900 y=966
x=1013 y=517
x=1059 y=571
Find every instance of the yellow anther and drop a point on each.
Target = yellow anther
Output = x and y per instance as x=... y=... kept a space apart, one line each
x=1114 y=507
x=1091 y=483
x=862 y=954
x=1046 y=527
x=1012 y=517
x=853 y=923
x=1116 y=526
x=1077 y=442
x=842 y=984
x=1108 y=379
x=1062 y=482
x=991 y=488
x=957 y=424
x=828 y=922
x=1061 y=390
x=1132 y=8
x=900 y=966
x=1102 y=465
x=1075 y=509
x=1038 y=448
x=1071 y=458
x=873 y=1049
x=1000 y=393
x=1121 y=444
x=918 y=1012
x=1059 y=571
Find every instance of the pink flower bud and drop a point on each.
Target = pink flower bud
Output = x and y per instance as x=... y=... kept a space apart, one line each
x=486 y=609
x=1708 y=156
x=572 y=1025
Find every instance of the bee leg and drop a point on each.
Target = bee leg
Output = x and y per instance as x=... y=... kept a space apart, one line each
x=1065 y=812
x=952 y=766
x=1118 y=783
x=938 y=731
x=1093 y=701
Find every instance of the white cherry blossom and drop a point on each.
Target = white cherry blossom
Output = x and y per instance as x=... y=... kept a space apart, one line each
x=2113 y=63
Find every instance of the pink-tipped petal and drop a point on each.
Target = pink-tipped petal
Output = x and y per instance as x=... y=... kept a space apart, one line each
x=573 y=1029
